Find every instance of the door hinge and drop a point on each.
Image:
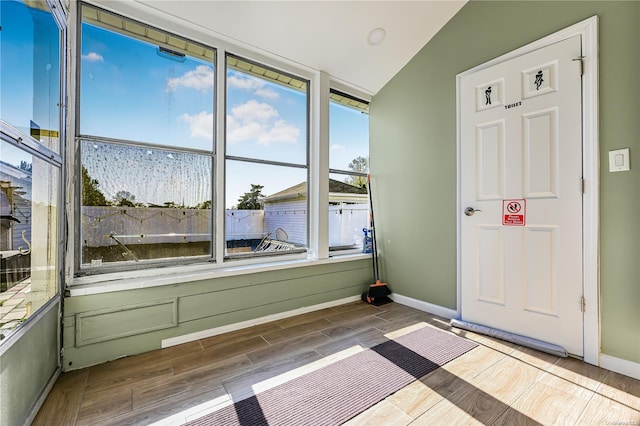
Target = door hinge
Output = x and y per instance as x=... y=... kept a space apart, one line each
x=581 y=59
x=583 y=305
x=582 y=185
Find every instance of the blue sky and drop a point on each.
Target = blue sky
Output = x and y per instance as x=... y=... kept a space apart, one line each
x=21 y=76
x=129 y=91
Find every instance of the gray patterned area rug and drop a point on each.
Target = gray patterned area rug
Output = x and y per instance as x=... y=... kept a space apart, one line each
x=337 y=392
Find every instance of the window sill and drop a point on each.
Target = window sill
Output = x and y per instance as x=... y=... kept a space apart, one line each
x=106 y=283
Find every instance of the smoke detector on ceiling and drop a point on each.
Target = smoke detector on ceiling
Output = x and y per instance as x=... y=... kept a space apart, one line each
x=376 y=36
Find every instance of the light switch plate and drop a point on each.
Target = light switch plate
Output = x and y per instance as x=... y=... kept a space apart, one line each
x=619 y=160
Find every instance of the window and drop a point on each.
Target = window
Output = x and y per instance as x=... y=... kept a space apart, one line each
x=146 y=145
x=147 y=165
x=30 y=164
x=31 y=82
x=349 y=165
x=266 y=164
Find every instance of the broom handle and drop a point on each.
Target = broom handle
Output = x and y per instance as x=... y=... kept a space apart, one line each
x=374 y=245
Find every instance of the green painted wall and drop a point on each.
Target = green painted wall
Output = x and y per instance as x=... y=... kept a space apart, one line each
x=27 y=367
x=413 y=152
x=102 y=327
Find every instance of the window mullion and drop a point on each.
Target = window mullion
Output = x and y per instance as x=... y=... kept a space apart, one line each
x=319 y=169
x=219 y=157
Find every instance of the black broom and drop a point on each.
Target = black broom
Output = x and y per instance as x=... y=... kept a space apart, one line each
x=378 y=292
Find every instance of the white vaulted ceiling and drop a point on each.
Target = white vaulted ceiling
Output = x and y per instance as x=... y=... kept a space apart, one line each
x=329 y=36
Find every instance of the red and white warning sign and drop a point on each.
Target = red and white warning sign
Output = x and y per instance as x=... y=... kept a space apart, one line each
x=514 y=212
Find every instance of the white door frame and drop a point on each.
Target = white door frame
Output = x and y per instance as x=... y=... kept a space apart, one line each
x=588 y=29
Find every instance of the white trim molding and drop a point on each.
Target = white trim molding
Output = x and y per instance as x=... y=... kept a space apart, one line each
x=588 y=31
x=424 y=306
x=619 y=365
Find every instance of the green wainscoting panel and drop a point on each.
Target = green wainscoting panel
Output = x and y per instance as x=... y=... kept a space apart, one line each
x=255 y=295
x=107 y=326
x=129 y=320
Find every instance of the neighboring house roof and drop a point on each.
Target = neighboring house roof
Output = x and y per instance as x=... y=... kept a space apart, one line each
x=337 y=189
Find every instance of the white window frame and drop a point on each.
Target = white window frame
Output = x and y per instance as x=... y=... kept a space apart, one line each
x=337 y=87
x=33 y=147
x=307 y=166
x=74 y=166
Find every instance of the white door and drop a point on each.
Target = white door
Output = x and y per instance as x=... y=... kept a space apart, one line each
x=521 y=173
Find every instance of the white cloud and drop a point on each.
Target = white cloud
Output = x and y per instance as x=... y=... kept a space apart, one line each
x=336 y=147
x=254 y=111
x=240 y=133
x=244 y=83
x=200 y=79
x=200 y=125
x=281 y=132
x=253 y=84
x=93 y=57
x=254 y=121
x=267 y=93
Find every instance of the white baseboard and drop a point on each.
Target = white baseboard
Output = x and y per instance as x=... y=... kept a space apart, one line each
x=619 y=365
x=424 y=306
x=244 y=324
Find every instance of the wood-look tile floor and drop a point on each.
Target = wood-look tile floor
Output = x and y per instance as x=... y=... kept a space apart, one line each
x=497 y=383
